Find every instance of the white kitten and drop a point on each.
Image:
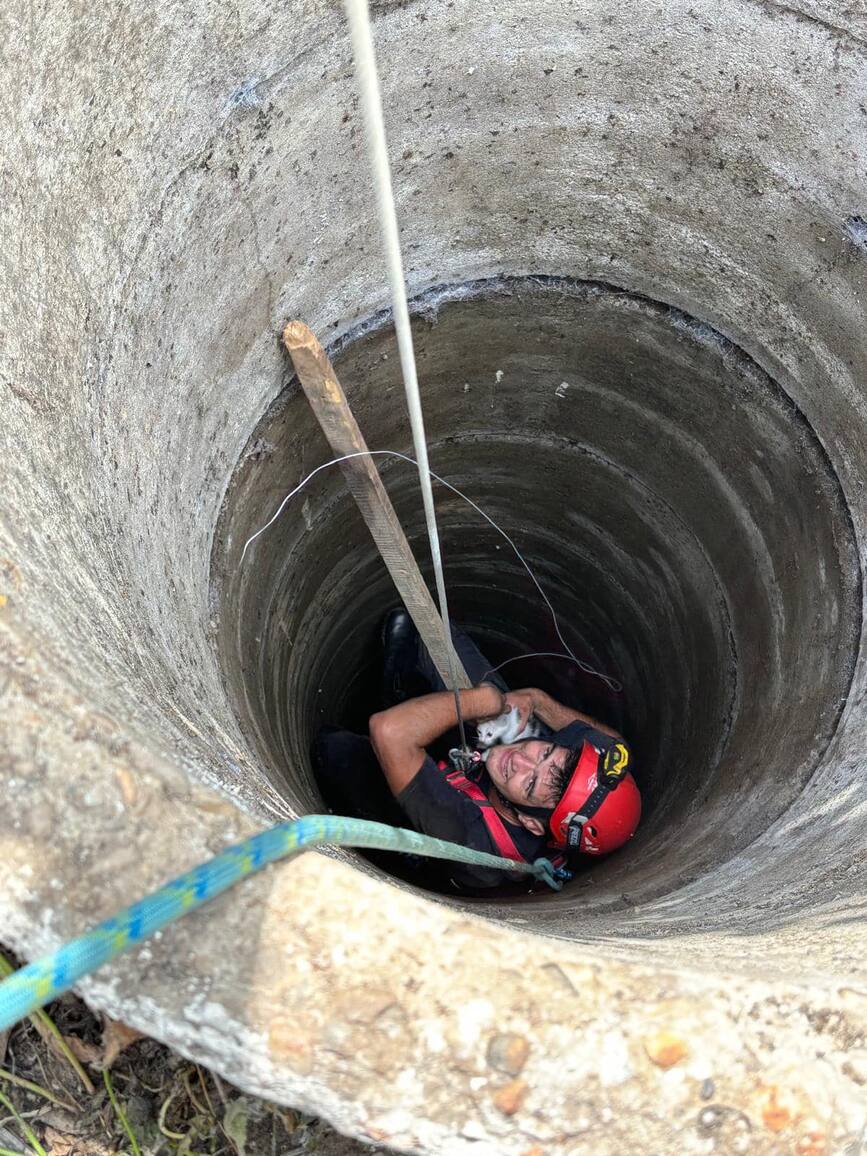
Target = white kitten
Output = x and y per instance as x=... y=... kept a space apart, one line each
x=505 y=728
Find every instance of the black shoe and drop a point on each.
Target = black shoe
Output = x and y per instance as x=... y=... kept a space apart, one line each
x=400 y=658
x=396 y=624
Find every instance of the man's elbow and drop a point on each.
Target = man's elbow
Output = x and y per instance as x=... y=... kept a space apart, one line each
x=380 y=727
x=389 y=746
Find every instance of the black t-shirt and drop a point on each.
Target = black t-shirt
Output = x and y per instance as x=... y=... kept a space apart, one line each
x=436 y=808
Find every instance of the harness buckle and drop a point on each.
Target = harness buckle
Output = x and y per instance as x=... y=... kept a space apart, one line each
x=465 y=761
x=574 y=830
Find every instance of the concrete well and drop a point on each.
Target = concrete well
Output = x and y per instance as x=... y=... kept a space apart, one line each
x=636 y=236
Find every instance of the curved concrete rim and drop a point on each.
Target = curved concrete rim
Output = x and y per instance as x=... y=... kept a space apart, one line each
x=176 y=188
x=682 y=488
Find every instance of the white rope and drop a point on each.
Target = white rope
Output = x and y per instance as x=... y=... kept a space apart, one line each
x=606 y=678
x=358 y=14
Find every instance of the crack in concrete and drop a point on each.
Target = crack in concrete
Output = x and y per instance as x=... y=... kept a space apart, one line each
x=774 y=6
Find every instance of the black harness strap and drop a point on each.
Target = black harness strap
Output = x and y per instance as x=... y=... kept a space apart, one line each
x=588 y=809
x=611 y=772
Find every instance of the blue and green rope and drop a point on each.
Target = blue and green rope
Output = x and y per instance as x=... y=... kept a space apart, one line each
x=45 y=979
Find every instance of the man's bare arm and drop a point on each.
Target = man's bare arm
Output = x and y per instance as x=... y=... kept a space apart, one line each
x=552 y=713
x=400 y=735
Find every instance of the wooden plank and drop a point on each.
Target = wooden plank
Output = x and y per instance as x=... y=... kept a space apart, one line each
x=329 y=404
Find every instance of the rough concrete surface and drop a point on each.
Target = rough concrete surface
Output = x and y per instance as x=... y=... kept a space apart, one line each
x=683 y=184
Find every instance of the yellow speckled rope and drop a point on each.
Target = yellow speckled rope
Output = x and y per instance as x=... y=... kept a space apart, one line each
x=42 y=981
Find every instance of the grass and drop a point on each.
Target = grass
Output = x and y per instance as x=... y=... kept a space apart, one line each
x=52 y=1035
x=30 y=1136
x=37 y=1089
x=120 y=1113
x=152 y=1102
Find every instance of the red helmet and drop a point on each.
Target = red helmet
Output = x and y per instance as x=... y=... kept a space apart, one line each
x=601 y=806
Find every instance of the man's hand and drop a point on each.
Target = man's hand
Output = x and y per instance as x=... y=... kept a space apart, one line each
x=530 y=700
x=524 y=702
x=497 y=710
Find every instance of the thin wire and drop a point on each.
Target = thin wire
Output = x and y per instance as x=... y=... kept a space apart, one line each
x=612 y=683
x=300 y=486
x=358 y=15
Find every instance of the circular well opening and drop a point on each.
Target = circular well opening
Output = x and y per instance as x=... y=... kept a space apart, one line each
x=674 y=504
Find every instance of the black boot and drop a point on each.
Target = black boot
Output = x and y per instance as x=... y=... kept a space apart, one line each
x=401 y=678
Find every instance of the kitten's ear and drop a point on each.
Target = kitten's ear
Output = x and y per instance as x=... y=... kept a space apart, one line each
x=534 y=826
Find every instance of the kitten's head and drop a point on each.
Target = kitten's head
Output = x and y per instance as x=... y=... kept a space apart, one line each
x=494 y=730
x=487 y=733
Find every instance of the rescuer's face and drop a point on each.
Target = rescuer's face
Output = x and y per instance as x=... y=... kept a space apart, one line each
x=526 y=772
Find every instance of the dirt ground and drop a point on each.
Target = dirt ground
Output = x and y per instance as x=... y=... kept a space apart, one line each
x=75 y=1084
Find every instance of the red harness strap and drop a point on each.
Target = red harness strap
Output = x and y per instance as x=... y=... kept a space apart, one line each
x=496 y=827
